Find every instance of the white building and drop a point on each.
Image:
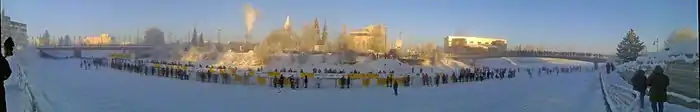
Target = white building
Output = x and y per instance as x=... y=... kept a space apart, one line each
x=14 y=29
x=474 y=45
x=363 y=39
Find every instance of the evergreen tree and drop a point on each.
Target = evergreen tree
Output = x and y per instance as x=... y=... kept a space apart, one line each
x=630 y=47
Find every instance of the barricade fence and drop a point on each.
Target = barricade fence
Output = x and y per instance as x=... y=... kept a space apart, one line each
x=36 y=101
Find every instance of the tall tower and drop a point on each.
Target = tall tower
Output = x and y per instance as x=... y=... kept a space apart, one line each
x=194 y=40
x=201 y=39
x=287 y=25
x=324 y=35
x=316 y=27
x=398 y=43
x=345 y=29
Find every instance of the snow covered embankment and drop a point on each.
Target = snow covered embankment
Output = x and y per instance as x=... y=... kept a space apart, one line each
x=36 y=99
x=621 y=98
x=618 y=98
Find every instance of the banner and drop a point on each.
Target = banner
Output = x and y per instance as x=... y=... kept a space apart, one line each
x=338 y=82
x=365 y=82
x=156 y=65
x=222 y=71
x=121 y=56
x=354 y=76
x=184 y=68
x=251 y=72
x=372 y=76
x=273 y=74
x=237 y=78
x=260 y=80
x=287 y=82
x=381 y=81
x=398 y=80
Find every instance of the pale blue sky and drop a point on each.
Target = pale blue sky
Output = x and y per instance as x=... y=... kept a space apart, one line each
x=579 y=25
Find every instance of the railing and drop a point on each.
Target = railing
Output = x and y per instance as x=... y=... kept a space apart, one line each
x=532 y=54
x=37 y=101
x=619 y=98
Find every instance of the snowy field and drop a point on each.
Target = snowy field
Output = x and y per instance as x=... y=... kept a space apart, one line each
x=76 y=90
x=65 y=87
x=68 y=88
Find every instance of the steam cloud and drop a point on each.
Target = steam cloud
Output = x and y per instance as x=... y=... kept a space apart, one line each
x=251 y=15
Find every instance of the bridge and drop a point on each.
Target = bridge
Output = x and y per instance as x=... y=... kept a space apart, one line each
x=589 y=57
x=77 y=50
x=105 y=47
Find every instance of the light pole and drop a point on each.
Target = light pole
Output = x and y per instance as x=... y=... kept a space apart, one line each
x=656 y=42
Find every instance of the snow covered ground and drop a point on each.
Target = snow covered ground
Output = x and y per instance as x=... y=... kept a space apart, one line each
x=76 y=90
x=68 y=88
x=71 y=89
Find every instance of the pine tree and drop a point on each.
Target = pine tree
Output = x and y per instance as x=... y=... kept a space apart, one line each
x=630 y=47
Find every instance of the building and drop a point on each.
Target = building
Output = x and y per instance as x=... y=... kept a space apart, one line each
x=154 y=36
x=474 y=45
x=14 y=29
x=370 y=38
x=103 y=39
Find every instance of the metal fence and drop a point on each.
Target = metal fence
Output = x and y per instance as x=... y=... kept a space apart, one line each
x=36 y=101
x=619 y=98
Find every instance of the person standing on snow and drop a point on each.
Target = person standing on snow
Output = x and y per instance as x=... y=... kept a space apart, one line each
x=396 y=87
x=306 y=80
x=318 y=82
x=639 y=81
x=9 y=46
x=658 y=82
x=6 y=72
x=437 y=80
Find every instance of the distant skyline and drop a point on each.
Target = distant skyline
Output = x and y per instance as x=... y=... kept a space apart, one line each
x=576 y=25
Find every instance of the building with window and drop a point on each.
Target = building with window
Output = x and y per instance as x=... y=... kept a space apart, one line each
x=370 y=38
x=154 y=36
x=103 y=39
x=14 y=29
x=474 y=45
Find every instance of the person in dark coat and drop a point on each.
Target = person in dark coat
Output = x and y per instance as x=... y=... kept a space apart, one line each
x=396 y=87
x=9 y=46
x=6 y=71
x=607 y=68
x=306 y=81
x=639 y=81
x=658 y=82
